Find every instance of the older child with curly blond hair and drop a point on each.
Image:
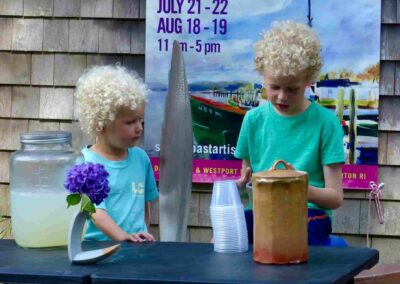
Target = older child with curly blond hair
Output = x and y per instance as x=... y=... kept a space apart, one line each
x=289 y=127
x=111 y=104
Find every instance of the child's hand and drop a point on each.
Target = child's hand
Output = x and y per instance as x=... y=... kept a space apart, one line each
x=244 y=178
x=141 y=237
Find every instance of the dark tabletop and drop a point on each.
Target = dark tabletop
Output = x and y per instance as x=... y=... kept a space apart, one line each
x=41 y=265
x=193 y=262
x=179 y=262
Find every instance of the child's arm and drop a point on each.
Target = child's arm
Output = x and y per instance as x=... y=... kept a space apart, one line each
x=107 y=225
x=144 y=236
x=245 y=174
x=332 y=195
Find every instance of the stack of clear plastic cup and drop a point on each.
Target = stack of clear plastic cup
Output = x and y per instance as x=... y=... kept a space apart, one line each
x=227 y=218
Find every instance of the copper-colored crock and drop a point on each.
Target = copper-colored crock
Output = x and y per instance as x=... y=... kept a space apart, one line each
x=280 y=215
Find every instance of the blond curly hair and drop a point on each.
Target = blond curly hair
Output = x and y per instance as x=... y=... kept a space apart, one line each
x=102 y=90
x=288 y=49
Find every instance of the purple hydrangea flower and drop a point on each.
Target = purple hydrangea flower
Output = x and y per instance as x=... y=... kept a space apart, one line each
x=90 y=179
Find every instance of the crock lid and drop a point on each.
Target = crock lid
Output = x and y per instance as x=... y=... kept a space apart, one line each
x=273 y=172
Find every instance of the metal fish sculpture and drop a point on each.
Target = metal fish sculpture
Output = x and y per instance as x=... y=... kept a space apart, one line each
x=176 y=154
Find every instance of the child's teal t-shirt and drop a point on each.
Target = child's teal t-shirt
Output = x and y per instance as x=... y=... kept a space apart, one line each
x=131 y=184
x=308 y=141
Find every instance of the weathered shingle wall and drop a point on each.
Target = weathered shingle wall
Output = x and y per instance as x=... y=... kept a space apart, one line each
x=46 y=44
x=352 y=218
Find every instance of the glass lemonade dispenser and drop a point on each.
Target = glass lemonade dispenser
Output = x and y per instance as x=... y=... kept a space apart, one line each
x=39 y=213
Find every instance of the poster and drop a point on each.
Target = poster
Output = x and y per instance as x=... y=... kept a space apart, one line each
x=217 y=38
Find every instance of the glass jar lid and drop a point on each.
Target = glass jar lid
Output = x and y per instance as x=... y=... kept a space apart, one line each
x=42 y=137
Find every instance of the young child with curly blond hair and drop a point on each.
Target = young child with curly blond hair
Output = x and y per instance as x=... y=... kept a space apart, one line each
x=111 y=103
x=289 y=127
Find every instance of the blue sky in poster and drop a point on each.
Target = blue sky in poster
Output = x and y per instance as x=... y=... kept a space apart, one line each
x=349 y=31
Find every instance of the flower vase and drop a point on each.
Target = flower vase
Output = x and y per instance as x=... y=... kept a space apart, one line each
x=75 y=253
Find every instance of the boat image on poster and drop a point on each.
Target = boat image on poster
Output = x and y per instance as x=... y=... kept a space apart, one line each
x=217 y=113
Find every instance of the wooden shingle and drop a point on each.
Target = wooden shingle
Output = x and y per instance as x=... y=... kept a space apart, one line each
x=389 y=114
x=67 y=8
x=42 y=69
x=355 y=240
x=79 y=138
x=39 y=125
x=10 y=129
x=7 y=228
x=4 y=133
x=389 y=11
x=15 y=68
x=17 y=127
x=100 y=60
x=5 y=33
x=88 y=8
x=200 y=235
x=204 y=210
x=56 y=103
x=128 y=9
x=390 y=42
x=75 y=108
x=187 y=239
x=138 y=37
x=27 y=34
x=4 y=200
x=68 y=69
x=387 y=78
x=398 y=11
x=38 y=8
x=5 y=101
x=393 y=149
x=346 y=217
x=55 y=35
x=388 y=250
x=4 y=166
x=382 y=147
x=115 y=37
x=354 y=194
x=142 y=9
x=96 y=8
x=390 y=176
x=397 y=78
x=390 y=227
x=25 y=102
x=154 y=212
x=194 y=209
x=135 y=63
x=11 y=7
x=83 y=36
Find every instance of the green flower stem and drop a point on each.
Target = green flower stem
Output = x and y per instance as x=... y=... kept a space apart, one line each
x=86 y=204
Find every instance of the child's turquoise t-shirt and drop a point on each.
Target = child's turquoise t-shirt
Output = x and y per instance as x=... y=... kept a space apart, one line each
x=131 y=184
x=308 y=141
